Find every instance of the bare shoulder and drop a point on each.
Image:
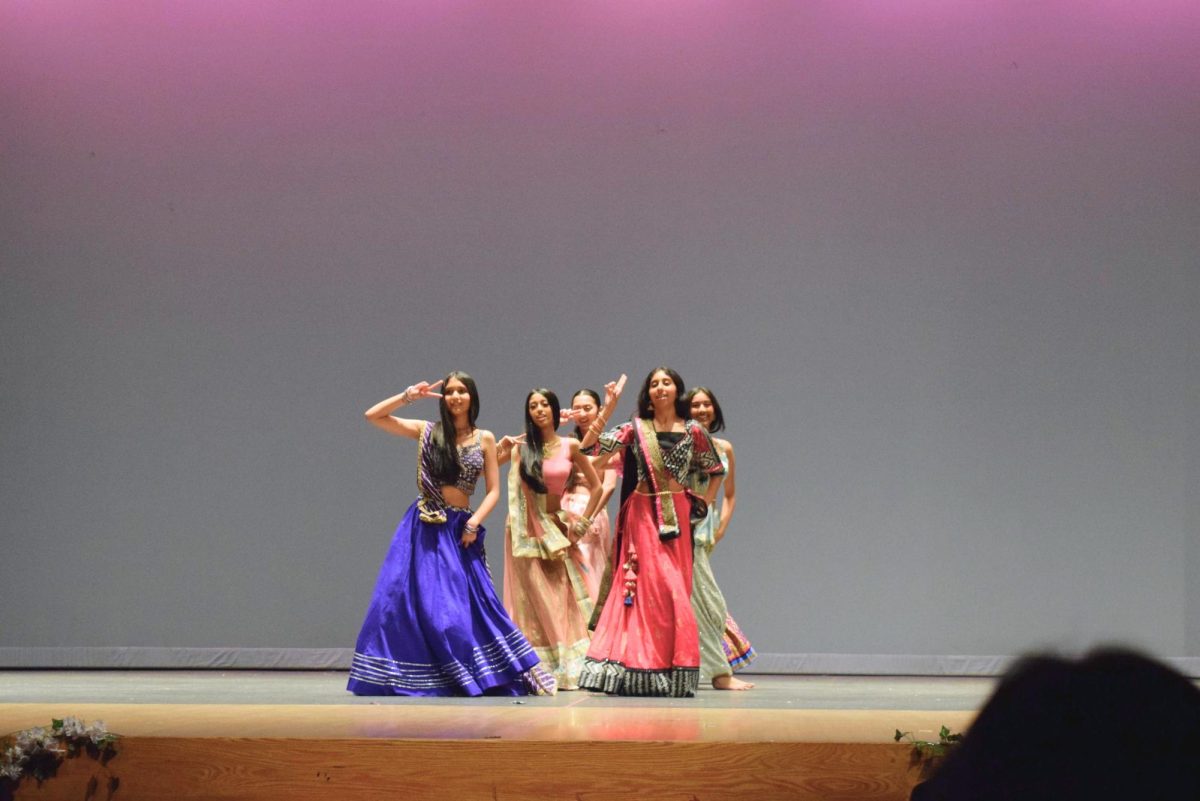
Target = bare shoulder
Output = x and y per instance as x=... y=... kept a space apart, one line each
x=487 y=437
x=725 y=445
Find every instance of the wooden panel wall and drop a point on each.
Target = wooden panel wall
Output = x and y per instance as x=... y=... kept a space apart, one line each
x=258 y=769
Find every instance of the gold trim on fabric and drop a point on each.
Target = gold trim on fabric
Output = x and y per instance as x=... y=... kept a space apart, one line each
x=430 y=510
x=666 y=511
x=564 y=661
x=530 y=527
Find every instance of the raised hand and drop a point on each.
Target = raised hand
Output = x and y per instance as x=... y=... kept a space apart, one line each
x=613 y=390
x=423 y=389
x=565 y=416
x=381 y=413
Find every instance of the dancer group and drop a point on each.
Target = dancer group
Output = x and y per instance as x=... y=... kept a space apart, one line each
x=630 y=609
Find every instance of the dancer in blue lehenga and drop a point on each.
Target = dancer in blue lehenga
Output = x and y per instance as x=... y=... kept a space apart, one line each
x=435 y=625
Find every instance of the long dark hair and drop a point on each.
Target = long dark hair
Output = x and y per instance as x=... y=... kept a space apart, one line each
x=718 y=421
x=591 y=393
x=531 y=454
x=646 y=408
x=443 y=461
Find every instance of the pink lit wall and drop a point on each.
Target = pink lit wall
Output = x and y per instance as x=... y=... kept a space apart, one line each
x=938 y=259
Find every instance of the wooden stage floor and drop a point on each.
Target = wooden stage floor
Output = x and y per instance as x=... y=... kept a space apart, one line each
x=298 y=735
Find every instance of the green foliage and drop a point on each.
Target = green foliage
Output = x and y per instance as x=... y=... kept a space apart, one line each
x=927 y=754
x=946 y=741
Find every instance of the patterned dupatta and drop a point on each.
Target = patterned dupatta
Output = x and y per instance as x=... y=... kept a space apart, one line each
x=431 y=506
x=647 y=439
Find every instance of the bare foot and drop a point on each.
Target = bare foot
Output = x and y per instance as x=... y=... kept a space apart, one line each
x=728 y=682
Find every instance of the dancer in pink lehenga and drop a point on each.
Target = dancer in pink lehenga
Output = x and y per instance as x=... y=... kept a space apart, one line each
x=646 y=642
x=544 y=587
x=595 y=548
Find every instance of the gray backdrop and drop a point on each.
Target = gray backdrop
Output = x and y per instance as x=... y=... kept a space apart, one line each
x=938 y=260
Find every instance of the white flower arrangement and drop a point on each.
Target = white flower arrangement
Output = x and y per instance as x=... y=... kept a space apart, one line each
x=38 y=752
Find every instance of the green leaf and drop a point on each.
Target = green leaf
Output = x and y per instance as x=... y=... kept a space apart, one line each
x=56 y=724
x=926 y=753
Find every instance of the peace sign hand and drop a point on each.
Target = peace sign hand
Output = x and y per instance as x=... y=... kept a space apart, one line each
x=613 y=390
x=565 y=416
x=423 y=389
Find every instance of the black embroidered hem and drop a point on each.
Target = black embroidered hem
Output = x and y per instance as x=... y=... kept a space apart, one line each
x=616 y=679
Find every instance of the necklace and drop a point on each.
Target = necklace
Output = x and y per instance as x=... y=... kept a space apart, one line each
x=549 y=447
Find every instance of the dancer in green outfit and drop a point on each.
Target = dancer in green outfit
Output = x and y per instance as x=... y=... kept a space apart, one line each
x=723 y=647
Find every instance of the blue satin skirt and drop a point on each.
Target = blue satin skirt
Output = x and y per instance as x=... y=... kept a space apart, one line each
x=435 y=626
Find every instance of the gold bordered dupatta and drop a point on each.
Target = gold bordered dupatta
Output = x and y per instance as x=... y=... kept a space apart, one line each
x=533 y=532
x=668 y=526
x=431 y=506
x=534 y=535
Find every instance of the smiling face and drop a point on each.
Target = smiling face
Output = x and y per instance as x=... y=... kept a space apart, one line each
x=457 y=397
x=585 y=409
x=541 y=412
x=702 y=409
x=663 y=391
x=661 y=394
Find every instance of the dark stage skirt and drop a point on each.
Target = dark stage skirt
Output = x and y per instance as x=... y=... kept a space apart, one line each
x=435 y=626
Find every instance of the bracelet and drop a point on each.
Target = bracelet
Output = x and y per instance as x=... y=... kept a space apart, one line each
x=596 y=428
x=470 y=529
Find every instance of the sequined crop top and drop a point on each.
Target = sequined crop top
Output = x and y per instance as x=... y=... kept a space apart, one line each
x=470 y=464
